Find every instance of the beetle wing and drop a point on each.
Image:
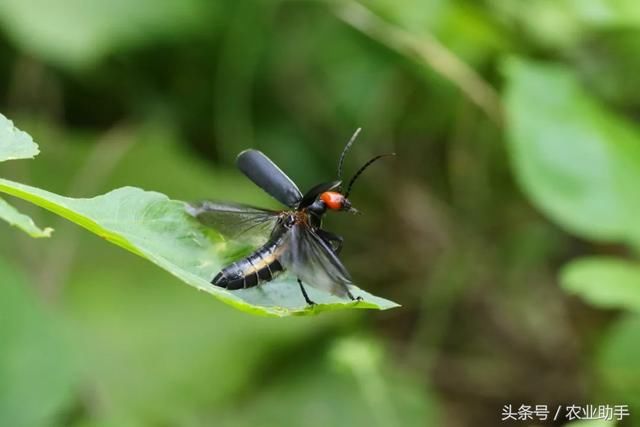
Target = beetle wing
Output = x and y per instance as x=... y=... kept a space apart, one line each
x=235 y=221
x=313 y=261
x=268 y=176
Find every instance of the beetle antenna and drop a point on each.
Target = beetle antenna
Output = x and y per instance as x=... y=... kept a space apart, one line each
x=362 y=169
x=345 y=151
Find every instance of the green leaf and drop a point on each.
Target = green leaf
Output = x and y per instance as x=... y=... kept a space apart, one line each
x=78 y=33
x=617 y=363
x=151 y=225
x=16 y=144
x=23 y=222
x=576 y=161
x=37 y=376
x=604 y=282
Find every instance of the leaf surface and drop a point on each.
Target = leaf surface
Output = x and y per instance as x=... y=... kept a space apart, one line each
x=16 y=144
x=22 y=221
x=159 y=229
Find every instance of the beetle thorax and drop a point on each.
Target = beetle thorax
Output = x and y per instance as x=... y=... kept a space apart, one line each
x=333 y=200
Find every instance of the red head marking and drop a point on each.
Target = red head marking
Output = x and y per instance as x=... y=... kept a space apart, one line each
x=333 y=200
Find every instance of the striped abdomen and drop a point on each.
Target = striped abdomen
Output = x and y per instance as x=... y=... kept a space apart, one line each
x=261 y=266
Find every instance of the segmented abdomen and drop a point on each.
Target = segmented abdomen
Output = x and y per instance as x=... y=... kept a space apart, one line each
x=261 y=266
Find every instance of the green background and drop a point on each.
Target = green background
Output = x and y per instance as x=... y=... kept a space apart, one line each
x=507 y=226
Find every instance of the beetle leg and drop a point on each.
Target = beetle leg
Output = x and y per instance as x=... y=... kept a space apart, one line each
x=304 y=293
x=358 y=298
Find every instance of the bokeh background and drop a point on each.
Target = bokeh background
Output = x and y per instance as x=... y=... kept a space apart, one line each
x=517 y=151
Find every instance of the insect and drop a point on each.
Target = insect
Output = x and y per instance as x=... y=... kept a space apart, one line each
x=295 y=239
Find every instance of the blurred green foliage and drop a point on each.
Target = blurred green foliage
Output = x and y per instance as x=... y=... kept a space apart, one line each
x=576 y=160
x=592 y=423
x=516 y=171
x=36 y=363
